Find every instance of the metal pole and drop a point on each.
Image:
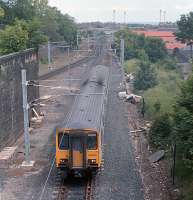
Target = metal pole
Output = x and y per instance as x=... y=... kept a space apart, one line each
x=77 y=39
x=160 y=17
x=122 y=51
x=88 y=42
x=143 y=107
x=125 y=17
x=114 y=16
x=68 y=51
x=25 y=116
x=69 y=74
x=49 y=55
x=113 y=37
x=174 y=164
x=191 y=43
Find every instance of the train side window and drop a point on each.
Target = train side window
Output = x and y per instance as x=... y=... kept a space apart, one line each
x=63 y=141
x=92 y=141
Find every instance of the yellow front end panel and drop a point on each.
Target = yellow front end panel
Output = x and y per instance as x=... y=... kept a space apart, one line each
x=77 y=159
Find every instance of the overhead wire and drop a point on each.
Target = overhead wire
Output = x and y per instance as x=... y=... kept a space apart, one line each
x=55 y=80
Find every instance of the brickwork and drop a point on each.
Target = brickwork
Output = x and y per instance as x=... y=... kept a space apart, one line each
x=11 y=111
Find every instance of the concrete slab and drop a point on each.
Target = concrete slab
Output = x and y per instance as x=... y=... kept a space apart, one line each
x=157 y=156
x=28 y=164
x=6 y=156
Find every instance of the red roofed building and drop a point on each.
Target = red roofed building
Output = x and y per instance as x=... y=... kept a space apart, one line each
x=167 y=36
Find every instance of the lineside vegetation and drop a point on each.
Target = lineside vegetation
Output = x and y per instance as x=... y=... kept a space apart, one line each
x=29 y=23
x=168 y=99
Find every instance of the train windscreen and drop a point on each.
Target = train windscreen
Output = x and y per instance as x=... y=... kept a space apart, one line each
x=92 y=141
x=63 y=141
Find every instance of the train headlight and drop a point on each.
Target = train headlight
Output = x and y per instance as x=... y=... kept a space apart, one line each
x=92 y=161
x=63 y=161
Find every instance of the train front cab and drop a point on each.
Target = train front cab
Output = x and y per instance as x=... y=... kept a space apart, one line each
x=78 y=150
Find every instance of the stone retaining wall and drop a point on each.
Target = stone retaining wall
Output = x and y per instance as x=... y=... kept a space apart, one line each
x=11 y=111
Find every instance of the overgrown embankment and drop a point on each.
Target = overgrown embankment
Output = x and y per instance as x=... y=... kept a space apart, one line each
x=168 y=101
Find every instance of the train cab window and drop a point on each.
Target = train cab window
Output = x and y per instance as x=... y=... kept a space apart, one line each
x=92 y=141
x=63 y=141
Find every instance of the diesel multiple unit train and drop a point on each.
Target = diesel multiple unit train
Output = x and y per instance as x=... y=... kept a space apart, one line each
x=79 y=140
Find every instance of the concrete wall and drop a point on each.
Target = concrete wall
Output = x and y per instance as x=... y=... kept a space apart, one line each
x=11 y=111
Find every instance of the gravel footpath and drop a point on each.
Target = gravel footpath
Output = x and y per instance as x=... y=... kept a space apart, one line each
x=119 y=179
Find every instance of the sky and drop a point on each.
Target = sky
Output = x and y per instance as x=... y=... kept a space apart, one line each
x=136 y=10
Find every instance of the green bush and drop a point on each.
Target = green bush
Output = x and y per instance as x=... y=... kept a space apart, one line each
x=145 y=77
x=183 y=118
x=164 y=94
x=168 y=63
x=44 y=60
x=13 y=38
x=40 y=20
x=131 y=66
x=158 y=101
x=161 y=130
x=154 y=48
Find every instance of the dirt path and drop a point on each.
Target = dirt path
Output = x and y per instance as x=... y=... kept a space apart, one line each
x=154 y=176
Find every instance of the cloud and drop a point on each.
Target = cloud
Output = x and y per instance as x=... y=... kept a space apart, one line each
x=184 y=7
x=137 y=10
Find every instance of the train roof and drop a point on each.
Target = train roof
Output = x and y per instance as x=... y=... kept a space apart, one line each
x=88 y=107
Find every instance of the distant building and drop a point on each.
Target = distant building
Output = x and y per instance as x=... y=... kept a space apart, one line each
x=167 y=36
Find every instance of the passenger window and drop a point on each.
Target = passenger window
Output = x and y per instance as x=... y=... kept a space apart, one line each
x=92 y=142
x=63 y=141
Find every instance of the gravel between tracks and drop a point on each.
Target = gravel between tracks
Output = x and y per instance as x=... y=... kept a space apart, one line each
x=119 y=179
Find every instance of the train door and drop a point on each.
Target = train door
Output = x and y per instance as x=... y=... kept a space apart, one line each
x=77 y=149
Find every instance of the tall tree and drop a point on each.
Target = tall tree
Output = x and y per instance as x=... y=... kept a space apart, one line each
x=35 y=35
x=145 y=77
x=21 y=9
x=13 y=38
x=50 y=25
x=155 y=49
x=185 y=30
x=40 y=7
x=38 y=19
x=183 y=123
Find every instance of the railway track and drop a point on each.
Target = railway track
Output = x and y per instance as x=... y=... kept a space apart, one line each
x=62 y=190
x=89 y=188
x=96 y=53
x=59 y=187
x=64 y=68
x=75 y=189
